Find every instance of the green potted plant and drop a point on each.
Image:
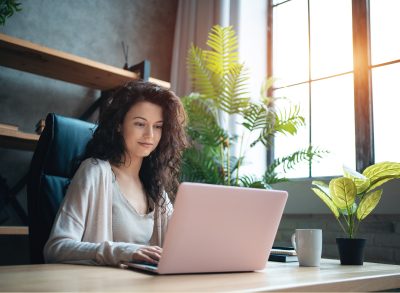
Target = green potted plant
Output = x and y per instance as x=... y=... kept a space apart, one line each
x=220 y=93
x=7 y=9
x=351 y=199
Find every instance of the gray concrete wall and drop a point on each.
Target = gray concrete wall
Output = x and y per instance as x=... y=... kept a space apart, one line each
x=93 y=29
x=381 y=231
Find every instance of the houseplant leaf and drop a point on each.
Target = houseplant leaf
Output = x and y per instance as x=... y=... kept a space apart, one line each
x=201 y=77
x=203 y=126
x=368 y=203
x=327 y=200
x=323 y=186
x=362 y=182
x=288 y=121
x=284 y=121
x=349 y=211
x=381 y=173
x=289 y=162
x=235 y=97
x=343 y=192
x=255 y=116
x=253 y=182
x=223 y=42
x=220 y=92
x=379 y=183
x=201 y=166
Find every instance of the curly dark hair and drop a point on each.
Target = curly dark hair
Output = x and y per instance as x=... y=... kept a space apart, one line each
x=160 y=170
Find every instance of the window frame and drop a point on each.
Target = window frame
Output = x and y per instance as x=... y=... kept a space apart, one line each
x=362 y=79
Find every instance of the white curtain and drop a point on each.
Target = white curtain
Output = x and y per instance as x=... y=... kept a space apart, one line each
x=248 y=17
x=194 y=20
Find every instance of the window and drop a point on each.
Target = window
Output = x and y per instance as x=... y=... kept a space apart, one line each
x=312 y=46
x=385 y=55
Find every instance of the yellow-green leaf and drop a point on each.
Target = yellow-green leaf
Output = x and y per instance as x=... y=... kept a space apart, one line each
x=327 y=200
x=352 y=210
x=343 y=192
x=379 y=183
x=323 y=186
x=381 y=171
x=368 y=203
x=362 y=182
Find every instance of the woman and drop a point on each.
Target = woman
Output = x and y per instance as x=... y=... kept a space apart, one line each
x=117 y=206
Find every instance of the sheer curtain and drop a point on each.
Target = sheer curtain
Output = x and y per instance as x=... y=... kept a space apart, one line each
x=248 y=18
x=194 y=20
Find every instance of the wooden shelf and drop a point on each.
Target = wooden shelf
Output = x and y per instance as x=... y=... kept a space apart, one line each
x=15 y=139
x=14 y=230
x=26 y=56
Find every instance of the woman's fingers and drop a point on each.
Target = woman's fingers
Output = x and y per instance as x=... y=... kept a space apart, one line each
x=155 y=249
x=153 y=253
x=149 y=254
x=141 y=256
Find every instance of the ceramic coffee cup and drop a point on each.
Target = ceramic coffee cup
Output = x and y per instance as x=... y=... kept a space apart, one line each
x=308 y=245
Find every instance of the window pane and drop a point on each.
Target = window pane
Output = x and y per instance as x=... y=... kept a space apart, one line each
x=385 y=24
x=286 y=145
x=332 y=124
x=275 y=2
x=386 y=105
x=252 y=54
x=290 y=39
x=330 y=37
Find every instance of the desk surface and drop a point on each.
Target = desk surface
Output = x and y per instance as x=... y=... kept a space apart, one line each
x=331 y=276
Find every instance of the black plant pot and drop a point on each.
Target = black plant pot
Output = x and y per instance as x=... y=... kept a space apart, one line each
x=351 y=251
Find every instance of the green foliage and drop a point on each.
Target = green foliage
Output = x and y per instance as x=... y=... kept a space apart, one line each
x=289 y=162
x=7 y=9
x=221 y=92
x=353 y=197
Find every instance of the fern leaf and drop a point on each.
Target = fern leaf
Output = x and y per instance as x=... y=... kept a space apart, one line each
x=255 y=117
x=201 y=77
x=289 y=162
x=203 y=126
x=200 y=166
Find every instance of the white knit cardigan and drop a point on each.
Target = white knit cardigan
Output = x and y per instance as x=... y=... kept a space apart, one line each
x=82 y=231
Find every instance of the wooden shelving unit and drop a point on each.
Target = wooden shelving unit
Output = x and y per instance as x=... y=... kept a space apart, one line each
x=26 y=56
x=29 y=57
x=14 y=230
x=15 y=139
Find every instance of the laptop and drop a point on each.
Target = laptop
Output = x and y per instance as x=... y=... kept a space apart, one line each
x=217 y=228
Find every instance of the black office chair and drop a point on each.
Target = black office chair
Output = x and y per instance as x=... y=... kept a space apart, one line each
x=55 y=160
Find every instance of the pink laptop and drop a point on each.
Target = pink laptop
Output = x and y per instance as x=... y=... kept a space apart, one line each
x=217 y=228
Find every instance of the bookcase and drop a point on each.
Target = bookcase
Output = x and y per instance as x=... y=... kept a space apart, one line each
x=33 y=58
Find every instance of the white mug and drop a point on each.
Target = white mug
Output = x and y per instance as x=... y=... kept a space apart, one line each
x=308 y=246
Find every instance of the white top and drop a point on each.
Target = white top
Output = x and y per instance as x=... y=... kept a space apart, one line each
x=82 y=232
x=127 y=224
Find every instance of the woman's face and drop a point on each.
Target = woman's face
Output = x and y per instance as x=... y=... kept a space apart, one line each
x=142 y=129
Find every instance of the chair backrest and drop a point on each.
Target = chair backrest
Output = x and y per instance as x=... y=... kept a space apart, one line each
x=54 y=162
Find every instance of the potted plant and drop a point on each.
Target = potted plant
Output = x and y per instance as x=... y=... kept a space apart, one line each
x=351 y=199
x=220 y=93
x=7 y=9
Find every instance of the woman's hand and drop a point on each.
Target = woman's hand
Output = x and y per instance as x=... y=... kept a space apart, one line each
x=149 y=254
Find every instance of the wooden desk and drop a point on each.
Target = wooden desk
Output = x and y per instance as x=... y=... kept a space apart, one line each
x=331 y=276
